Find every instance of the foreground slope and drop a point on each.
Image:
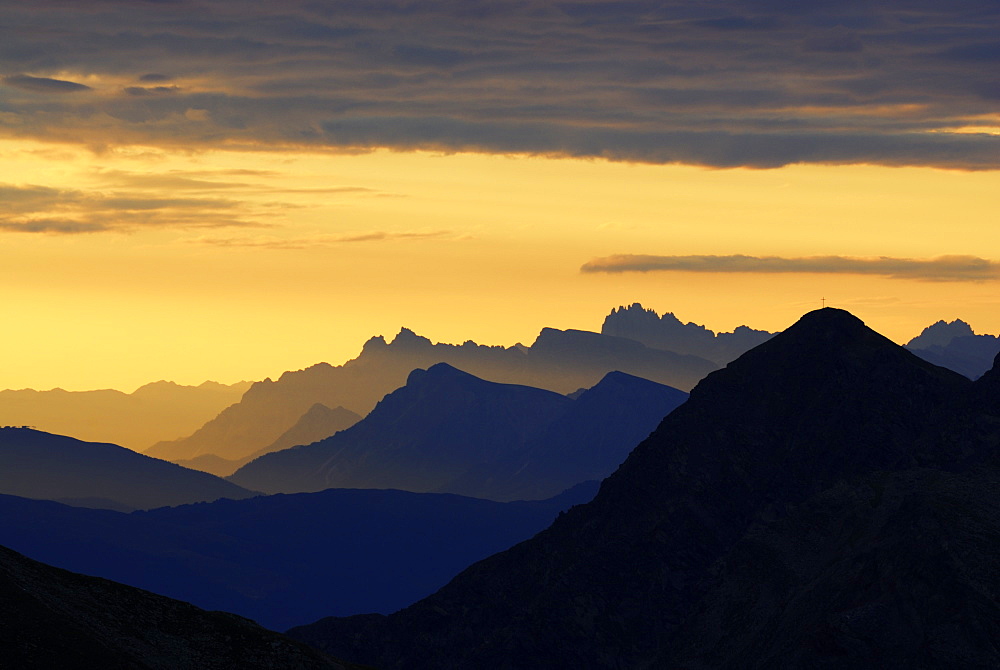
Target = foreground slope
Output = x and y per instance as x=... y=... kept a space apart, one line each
x=610 y=583
x=34 y=464
x=51 y=618
x=450 y=432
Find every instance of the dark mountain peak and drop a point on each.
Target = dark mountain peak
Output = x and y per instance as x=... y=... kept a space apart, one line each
x=610 y=582
x=437 y=373
x=616 y=379
x=820 y=336
x=940 y=333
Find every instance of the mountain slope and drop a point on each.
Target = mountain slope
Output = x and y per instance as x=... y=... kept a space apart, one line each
x=316 y=424
x=611 y=582
x=283 y=560
x=448 y=431
x=559 y=361
x=34 y=464
x=891 y=570
x=421 y=437
x=51 y=618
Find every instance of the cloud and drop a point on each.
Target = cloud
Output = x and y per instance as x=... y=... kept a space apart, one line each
x=720 y=84
x=44 y=84
x=319 y=241
x=40 y=209
x=942 y=268
x=151 y=90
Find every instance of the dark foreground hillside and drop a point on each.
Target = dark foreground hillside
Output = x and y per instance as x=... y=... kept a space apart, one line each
x=51 y=618
x=828 y=500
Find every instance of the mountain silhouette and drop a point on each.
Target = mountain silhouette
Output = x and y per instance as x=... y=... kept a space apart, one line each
x=559 y=361
x=669 y=333
x=616 y=582
x=35 y=464
x=317 y=423
x=449 y=431
x=286 y=559
x=52 y=618
x=955 y=346
x=152 y=413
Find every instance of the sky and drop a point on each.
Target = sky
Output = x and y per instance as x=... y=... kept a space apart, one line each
x=224 y=190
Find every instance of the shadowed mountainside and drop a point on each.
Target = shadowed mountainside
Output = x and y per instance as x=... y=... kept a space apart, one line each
x=448 y=431
x=630 y=579
x=283 y=560
x=34 y=464
x=667 y=332
x=51 y=618
x=154 y=412
x=559 y=361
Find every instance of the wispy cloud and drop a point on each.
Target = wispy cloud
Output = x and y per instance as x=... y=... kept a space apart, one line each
x=722 y=84
x=40 y=209
x=44 y=84
x=319 y=241
x=942 y=268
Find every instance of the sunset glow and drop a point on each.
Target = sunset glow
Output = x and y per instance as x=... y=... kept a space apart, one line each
x=227 y=193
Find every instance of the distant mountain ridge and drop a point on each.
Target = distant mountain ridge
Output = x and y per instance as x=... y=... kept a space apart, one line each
x=667 y=332
x=955 y=346
x=317 y=423
x=35 y=464
x=559 y=361
x=451 y=432
x=643 y=576
x=154 y=412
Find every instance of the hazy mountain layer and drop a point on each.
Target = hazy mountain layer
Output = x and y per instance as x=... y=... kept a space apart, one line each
x=40 y=465
x=559 y=361
x=669 y=333
x=955 y=346
x=448 y=431
x=154 y=412
x=317 y=423
x=51 y=618
x=283 y=560
x=621 y=581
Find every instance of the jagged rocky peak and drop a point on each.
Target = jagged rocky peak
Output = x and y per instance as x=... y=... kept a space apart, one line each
x=669 y=333
x=407 y=338
x=940 y=334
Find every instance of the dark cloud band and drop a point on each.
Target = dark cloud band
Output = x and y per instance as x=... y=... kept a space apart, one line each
x=942 y=268
x=722 y=84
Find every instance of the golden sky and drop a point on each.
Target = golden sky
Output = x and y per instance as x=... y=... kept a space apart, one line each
x=231 y=196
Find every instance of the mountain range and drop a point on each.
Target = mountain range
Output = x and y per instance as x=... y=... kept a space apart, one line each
x=152 y=413
x=451 y=432
x=285 y=559
x=828 y=500
x=955 y=346
x=558 y=361
x=35 y=464
x=669 y=333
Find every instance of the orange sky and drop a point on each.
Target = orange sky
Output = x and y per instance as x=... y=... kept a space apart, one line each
x=456 y=247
